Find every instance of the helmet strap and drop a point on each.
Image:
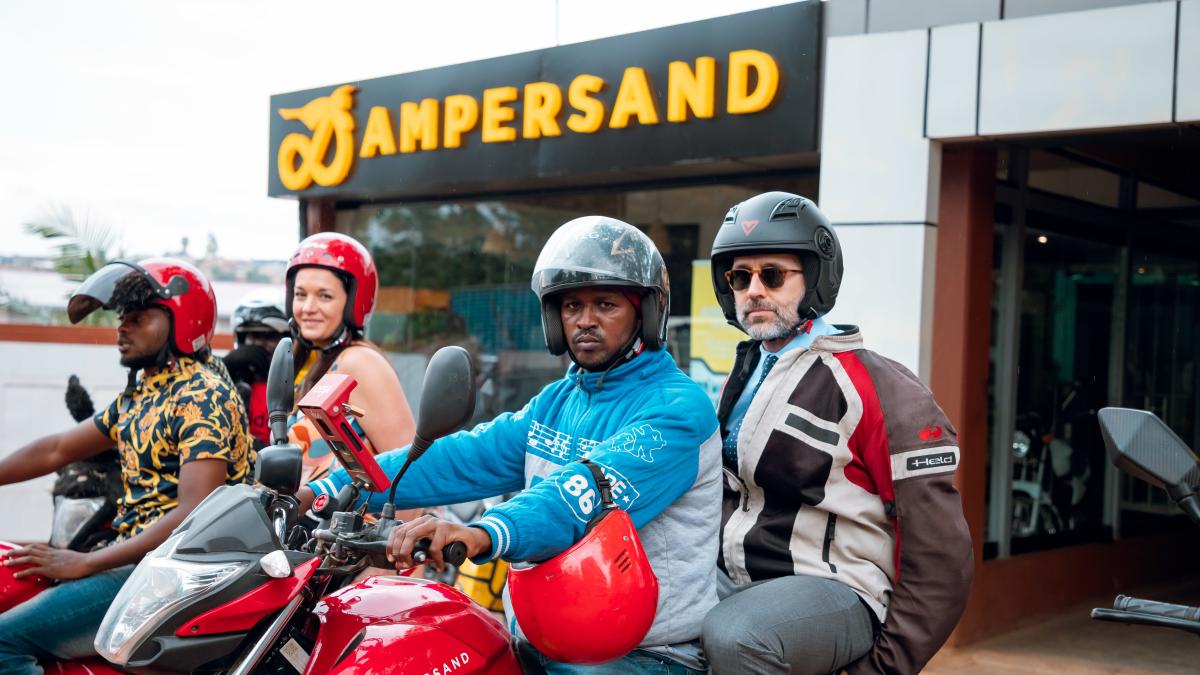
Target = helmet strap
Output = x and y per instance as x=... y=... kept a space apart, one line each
x=606 y=501
x=342 y=338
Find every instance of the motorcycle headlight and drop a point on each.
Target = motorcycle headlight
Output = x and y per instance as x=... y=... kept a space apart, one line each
x=158 y=586
x=1021 y=444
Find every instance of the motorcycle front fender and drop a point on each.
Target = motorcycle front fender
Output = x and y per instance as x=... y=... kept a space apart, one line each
x=400 y=625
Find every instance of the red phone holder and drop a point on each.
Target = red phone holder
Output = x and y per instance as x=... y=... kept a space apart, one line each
x=327 y=404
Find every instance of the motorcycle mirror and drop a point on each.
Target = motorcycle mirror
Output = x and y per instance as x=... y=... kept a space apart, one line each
x=447 y=395
x=279 y=467
x=1142 y=445
x=280 y=390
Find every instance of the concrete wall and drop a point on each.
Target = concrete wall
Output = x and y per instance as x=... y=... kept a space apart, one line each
x=31 y=405
x=891 y=98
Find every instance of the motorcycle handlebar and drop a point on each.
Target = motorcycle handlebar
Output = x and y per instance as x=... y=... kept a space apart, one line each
x=453 y=553
x=1131 y=604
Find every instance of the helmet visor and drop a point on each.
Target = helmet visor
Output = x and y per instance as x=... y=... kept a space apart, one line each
x=120 y=285
x=597 y=251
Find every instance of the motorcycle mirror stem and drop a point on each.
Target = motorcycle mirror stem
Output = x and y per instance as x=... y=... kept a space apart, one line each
x=447 y=403
x=280 y=390
x=280 y=465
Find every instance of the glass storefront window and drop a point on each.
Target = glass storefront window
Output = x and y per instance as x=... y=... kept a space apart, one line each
x=1091 y=307
x=1162 y=367
x=458 y=272
x=1058 y=454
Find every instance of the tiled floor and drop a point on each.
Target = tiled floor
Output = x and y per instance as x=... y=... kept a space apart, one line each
x=1072 y=642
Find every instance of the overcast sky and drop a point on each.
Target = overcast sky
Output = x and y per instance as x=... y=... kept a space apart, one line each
x=152 y=117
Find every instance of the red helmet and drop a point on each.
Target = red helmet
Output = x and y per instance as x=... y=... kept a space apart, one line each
x=348 y=259
x=593 y=602
x=173 y=284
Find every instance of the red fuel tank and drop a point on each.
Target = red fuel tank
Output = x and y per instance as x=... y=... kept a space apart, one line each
x=400 y=625
x=14 y=591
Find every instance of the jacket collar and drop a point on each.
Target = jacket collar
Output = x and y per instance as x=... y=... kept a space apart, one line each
x=641 y=367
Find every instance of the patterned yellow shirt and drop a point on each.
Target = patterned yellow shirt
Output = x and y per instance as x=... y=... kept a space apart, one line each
x=178 y=415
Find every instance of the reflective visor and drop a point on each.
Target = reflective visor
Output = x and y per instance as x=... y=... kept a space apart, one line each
x=97 y=290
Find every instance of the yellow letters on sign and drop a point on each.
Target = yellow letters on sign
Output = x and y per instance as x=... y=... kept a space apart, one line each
x=419 y=125
x=377 y=137
x=741 y=100
x=543 y=102
x=634 y=99
x=325 y=155
x=330 y=121
x=462 y=112
x=580 y=95
x=496 y=113
x=687 y=89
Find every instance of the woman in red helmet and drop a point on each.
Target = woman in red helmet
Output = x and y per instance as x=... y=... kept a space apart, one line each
x=331 y=289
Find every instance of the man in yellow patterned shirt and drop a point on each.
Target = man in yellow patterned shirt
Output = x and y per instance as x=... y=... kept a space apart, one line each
x=180 y=429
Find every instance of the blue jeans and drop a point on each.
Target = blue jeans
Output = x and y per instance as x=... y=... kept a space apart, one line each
x=58 y=623
x=636 y=661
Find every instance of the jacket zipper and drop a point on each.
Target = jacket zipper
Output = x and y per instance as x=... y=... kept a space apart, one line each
x=740 y=487
x=830 y=526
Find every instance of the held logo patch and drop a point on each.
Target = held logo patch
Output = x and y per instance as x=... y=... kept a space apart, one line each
x=640 y=441
x=924 y=462
x=932 y=461
x=579 y=493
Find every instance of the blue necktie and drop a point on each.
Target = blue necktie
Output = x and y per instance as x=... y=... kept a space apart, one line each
x=730 y=446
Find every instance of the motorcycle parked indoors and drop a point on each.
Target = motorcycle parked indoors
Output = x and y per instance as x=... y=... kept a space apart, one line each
x=1049 y=480
x=1142 y=445
x=244 y=585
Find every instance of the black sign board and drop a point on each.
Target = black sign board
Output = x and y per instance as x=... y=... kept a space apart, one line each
x=742 y=88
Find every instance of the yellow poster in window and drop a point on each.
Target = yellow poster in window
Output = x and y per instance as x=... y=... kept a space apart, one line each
x=713 y=340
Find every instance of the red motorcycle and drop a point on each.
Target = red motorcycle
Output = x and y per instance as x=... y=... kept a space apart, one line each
x=245 y=585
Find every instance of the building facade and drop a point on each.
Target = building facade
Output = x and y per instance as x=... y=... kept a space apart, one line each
x=1013 y=182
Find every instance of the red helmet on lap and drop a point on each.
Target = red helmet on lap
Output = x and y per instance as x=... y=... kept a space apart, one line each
x=172 y=284
x=347 y=258
x=595 y=601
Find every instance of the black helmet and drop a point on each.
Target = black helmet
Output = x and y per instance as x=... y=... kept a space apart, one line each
x=780 y=222
x=601 y=251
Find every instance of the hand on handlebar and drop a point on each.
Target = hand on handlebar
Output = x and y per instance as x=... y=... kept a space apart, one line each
x=405 y=537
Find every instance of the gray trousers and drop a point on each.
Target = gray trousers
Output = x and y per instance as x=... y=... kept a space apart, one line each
x=793 y=624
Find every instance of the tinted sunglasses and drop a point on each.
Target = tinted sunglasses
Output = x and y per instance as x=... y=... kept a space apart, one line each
x=772 y=277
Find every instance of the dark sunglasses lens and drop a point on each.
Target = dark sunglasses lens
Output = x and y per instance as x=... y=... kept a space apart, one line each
x=772 y=277
x=739 y=280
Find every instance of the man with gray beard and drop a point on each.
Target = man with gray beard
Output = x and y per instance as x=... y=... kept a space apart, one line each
x=830 y=452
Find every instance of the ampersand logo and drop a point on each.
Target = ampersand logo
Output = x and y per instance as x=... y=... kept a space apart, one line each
x=330 y=121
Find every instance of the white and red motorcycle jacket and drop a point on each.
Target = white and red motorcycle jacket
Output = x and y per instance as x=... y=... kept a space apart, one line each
x=845 y=470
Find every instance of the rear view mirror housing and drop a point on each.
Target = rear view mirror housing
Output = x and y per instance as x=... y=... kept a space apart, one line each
x=448 y=394
x=1142 y=445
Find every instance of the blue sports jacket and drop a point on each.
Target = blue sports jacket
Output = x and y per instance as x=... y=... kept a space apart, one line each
x=651 y=429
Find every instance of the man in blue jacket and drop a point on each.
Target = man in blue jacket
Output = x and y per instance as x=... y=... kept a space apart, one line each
x=626 y=407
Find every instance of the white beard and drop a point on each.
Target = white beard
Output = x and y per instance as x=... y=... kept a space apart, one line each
x=782 y=325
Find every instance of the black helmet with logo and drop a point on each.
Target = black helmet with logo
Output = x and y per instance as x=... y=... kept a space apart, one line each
x=780 y=222
x=601 y=251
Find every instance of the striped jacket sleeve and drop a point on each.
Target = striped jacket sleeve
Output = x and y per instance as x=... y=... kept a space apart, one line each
x=916 y=455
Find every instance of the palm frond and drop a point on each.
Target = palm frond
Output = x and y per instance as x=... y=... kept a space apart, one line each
x=83 y=246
